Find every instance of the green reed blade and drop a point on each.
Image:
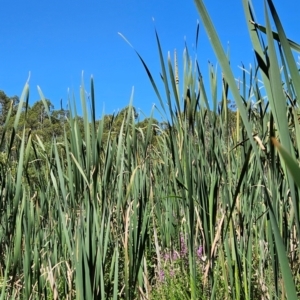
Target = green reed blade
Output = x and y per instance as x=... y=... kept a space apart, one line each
x=44 y=102
x=23 y=102
x=295 y=46
x=291 y=163
x=149 y=75
x=226 y=70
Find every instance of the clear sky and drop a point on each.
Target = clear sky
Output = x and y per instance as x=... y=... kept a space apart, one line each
x=56 y=40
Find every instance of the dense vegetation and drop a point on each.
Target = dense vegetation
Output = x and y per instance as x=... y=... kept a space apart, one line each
x=202 y=206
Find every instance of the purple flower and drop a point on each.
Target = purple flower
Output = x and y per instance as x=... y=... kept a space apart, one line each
x=166 y=256
x=175 y=255
x=161 y=275
x=172 y=273
x=183 y=247
x=200 y=252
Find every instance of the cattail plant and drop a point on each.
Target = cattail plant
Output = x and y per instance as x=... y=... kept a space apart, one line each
x=201 y=206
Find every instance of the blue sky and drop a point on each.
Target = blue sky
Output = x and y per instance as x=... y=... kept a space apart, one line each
x=56 y=40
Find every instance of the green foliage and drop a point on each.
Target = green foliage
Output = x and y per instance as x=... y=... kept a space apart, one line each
x=5 y=104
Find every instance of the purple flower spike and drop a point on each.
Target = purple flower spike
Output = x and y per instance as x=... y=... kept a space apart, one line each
x=183 y=247
x=200 y=252
x=175 y=255
x=166 y=256
x=161 y=275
